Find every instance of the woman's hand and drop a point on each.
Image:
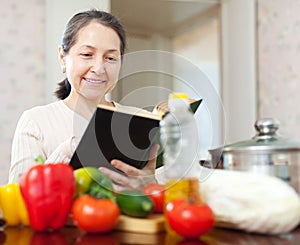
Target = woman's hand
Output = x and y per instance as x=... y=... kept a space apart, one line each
x=136 y=178
x=64 y=152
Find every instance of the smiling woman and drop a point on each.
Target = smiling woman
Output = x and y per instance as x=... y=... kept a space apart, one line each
x=90 y=56
x=92 y=65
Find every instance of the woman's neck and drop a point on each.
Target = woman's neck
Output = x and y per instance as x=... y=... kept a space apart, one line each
x=84 y=107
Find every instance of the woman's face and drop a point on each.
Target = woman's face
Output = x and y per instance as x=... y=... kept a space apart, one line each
x=93 y=63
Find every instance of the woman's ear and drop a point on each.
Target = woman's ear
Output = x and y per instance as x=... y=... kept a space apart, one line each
x=62 y=59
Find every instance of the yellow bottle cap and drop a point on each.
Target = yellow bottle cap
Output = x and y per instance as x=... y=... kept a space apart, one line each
x=178 y=96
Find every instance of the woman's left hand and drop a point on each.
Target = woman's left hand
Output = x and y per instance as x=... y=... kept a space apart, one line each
x=136 y=178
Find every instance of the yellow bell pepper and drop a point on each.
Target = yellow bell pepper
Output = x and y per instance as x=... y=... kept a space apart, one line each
x=13 y=208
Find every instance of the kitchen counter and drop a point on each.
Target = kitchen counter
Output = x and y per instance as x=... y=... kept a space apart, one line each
x=71 y=235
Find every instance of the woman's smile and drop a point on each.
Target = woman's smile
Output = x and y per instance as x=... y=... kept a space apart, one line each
x=94 y=82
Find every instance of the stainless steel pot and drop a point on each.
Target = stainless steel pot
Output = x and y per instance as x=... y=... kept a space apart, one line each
x=265 y=153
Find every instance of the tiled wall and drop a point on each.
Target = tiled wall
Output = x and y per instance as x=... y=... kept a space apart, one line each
x=22 y=67
x=279 y=63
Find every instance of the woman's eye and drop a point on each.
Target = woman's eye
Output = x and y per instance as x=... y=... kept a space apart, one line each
x=86 y=54
x=111 y=59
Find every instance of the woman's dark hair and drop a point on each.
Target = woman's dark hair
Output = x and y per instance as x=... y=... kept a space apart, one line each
x=69 y=37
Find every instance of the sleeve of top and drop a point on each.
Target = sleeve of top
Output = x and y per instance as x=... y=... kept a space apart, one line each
x=26 y=146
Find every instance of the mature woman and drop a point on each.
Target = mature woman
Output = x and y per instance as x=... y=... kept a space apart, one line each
x=90 y=56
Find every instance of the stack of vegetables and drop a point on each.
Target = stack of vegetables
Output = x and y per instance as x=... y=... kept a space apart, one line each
x=48 y=195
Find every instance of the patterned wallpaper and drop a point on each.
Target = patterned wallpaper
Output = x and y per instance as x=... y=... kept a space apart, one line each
x=279 y=63
x=22 y=64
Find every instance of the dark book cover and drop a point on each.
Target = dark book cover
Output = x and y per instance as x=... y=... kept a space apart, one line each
x=113 y=134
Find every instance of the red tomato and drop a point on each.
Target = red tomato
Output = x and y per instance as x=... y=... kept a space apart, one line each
x=95 y=215
x=189 y=219
x=156 y=192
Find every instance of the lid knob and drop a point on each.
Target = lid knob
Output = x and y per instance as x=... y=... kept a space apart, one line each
x=266 y=126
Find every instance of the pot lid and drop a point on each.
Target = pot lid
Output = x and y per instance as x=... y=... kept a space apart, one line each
x=266 y=138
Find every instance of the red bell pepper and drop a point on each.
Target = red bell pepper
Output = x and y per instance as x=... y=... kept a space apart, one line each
x=48 y=192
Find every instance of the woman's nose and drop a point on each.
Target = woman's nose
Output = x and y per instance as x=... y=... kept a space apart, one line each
x=98 y=66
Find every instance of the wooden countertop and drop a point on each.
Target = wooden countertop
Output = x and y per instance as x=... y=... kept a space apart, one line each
x=71 y=235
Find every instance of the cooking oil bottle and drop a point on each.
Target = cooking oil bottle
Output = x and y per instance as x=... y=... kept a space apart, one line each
x=179 y=138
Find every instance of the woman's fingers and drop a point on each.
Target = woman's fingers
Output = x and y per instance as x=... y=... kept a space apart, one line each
x=113 y=175
x=134 y=178
x=126 y=168
x=121 y=180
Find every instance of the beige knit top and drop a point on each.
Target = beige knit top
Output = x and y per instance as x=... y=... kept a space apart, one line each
x=51 y=131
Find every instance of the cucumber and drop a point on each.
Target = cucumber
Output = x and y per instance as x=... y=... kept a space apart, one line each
x=134 y=203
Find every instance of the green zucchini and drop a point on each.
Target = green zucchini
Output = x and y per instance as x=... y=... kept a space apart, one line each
x=134 y=203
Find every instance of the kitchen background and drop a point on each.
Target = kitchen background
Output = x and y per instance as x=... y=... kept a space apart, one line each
x=30 y=71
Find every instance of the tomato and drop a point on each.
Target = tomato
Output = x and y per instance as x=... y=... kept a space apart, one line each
x=95 y=215
x=156 y=192
x=189 y=219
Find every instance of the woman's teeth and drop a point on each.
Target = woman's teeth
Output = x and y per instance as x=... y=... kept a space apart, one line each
x=94 y=81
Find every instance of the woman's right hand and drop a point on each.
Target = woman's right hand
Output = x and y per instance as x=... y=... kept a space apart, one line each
x=64 y=152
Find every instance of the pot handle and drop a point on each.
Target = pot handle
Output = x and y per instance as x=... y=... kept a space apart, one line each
x=211 y=164
x=266 y=126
